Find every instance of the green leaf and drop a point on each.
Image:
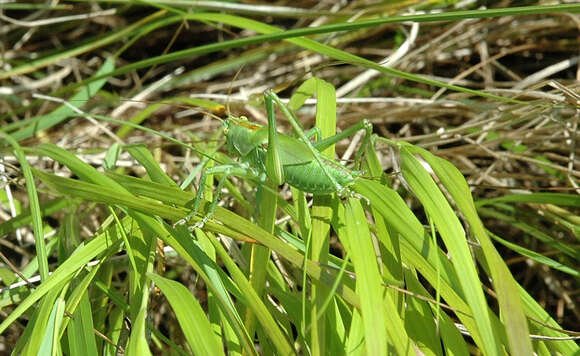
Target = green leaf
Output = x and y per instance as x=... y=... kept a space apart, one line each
x=35 y=212
x=50 y=342
x=506 y=288
x=191 y=317
x=379 y=314
x=453 y=235
x=63 y=112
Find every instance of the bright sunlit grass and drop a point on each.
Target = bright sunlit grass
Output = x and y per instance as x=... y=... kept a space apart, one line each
x=458 y=236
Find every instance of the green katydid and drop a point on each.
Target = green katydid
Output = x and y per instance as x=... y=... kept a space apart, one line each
x=267 y=154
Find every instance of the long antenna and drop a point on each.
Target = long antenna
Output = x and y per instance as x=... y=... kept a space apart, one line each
x=230 y=88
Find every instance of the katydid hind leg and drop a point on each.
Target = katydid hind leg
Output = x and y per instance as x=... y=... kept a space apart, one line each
x=300 y=132
x=214 y=202
x=259 y=192
x=273 y=165
x=365 y=144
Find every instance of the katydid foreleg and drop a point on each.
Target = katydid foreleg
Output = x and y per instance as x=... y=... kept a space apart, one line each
x=238 y=170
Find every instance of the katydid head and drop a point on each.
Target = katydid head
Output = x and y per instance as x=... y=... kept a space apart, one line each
x=242 y=136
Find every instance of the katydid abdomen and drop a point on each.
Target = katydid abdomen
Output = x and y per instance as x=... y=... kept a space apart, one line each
x=311 y=178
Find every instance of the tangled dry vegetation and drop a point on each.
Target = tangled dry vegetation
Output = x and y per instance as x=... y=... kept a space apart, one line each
x=500 y=147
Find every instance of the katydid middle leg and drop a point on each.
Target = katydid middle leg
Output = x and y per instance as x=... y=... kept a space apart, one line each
x=349 y=131
x=226 y=171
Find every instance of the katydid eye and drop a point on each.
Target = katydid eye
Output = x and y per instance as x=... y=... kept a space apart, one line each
x=226 y=130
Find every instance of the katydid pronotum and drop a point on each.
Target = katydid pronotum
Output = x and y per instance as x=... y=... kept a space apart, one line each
x=268 y=154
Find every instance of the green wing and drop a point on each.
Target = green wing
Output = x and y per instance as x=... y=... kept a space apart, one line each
x=293 y=151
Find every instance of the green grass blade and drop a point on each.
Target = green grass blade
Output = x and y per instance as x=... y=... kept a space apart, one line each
x=191 y=317
x=138 y=344
x=321 y=210
x=505 y=286
x=35 y=212
x=146 y=159
x=417 y=249
x=453 y=235
x=36 y=333
x=189 y=250
x=531 y=230
x=269 y=325
x=50 y=342
x=388 y=238
x=143 y=244
x=538 y=198
x=83 y=170
x=65 y=111
x=452 y=340
x=80 y=333
x=537 y=256
x=419 y=321
x=352 y=228
x=65 y=272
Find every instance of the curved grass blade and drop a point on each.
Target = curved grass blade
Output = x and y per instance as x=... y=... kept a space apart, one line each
x=453 y=235
x=191 y=317
x=64 y=111
x=35 y=212
x=505 y=286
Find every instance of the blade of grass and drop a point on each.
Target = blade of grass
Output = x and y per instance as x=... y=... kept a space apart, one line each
x=535 y=232
x=80 y=333
x=453 y=235
x=146 y=159
x=536 y=256
x=50 y=343
x=419 y=321
x=108 y=239
x=418 y=250
x=453 y=342
x=538 y=198
x=352 y=228
x=191 y=317
x=321 y=208
x=64 y=111
x=274 y=333
x=505 y=286
x=35 y=211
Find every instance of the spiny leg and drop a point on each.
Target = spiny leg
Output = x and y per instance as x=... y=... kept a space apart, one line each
x=261 y=184
x=226 y=171
x=314 y=132
x=270 y=96
x=366 y=142
x=349 y=131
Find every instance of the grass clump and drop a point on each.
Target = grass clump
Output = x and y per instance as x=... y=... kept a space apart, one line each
x=460 y=237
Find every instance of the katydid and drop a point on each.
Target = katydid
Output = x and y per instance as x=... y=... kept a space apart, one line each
x=267 y=154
